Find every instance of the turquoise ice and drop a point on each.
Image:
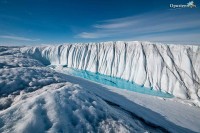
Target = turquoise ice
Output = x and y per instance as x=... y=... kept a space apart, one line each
x=116 y=82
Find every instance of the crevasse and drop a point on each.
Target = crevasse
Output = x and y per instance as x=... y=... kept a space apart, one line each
x=170 y=68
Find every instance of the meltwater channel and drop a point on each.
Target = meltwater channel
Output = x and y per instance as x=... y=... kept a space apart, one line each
x=115 y=82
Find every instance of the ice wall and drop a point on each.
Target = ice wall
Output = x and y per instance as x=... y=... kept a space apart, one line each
x=171 y=68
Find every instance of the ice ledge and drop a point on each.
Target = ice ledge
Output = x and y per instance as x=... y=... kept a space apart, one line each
x=171 y=68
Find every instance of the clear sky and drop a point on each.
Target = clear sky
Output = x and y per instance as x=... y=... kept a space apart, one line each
x=64 y=21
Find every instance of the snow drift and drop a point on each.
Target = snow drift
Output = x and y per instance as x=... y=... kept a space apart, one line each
x=64 y=107
x=170 y=68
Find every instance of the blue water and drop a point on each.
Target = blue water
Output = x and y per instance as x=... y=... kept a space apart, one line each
x=117 y=82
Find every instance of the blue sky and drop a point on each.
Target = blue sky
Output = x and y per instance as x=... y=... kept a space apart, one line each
x=30 y=22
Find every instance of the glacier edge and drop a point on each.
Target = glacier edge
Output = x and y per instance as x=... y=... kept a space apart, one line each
x=170 y=68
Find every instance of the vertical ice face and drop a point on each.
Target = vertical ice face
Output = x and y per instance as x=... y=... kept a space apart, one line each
x=171 y=68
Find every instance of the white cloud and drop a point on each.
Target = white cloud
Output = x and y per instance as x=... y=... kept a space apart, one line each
x=113 y=25
x=167 y=23
x=89 y=35
x=18 y=38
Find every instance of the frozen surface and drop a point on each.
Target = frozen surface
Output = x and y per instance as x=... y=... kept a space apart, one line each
x=64 y=108
x=170 y=68
x=35 y=98
x=170 y=114
x=112 y=81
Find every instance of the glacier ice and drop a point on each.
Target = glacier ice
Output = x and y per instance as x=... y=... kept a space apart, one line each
x=170 y=68
x=35 y=98
x=110 y=81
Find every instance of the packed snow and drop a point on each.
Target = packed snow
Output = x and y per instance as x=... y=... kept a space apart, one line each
x=36 y=98
x=64 y=108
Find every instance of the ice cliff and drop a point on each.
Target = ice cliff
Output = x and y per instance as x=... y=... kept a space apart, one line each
x=171 y=68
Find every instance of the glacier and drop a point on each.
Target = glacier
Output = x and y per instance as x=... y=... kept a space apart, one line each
x=36 y=98
x=174 y=69
x=111 y=81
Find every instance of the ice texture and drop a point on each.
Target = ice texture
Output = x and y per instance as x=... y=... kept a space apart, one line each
x=170 y=68
x=35 y=98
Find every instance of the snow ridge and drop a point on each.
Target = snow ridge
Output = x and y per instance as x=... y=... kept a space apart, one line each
x=171 y=68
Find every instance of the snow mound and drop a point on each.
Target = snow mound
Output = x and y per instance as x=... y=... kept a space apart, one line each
x=12 y=57
x=12 y=61
x=68 y=108
x=14 y=80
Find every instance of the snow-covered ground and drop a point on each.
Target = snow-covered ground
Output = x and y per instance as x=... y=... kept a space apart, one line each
x=35 y=98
